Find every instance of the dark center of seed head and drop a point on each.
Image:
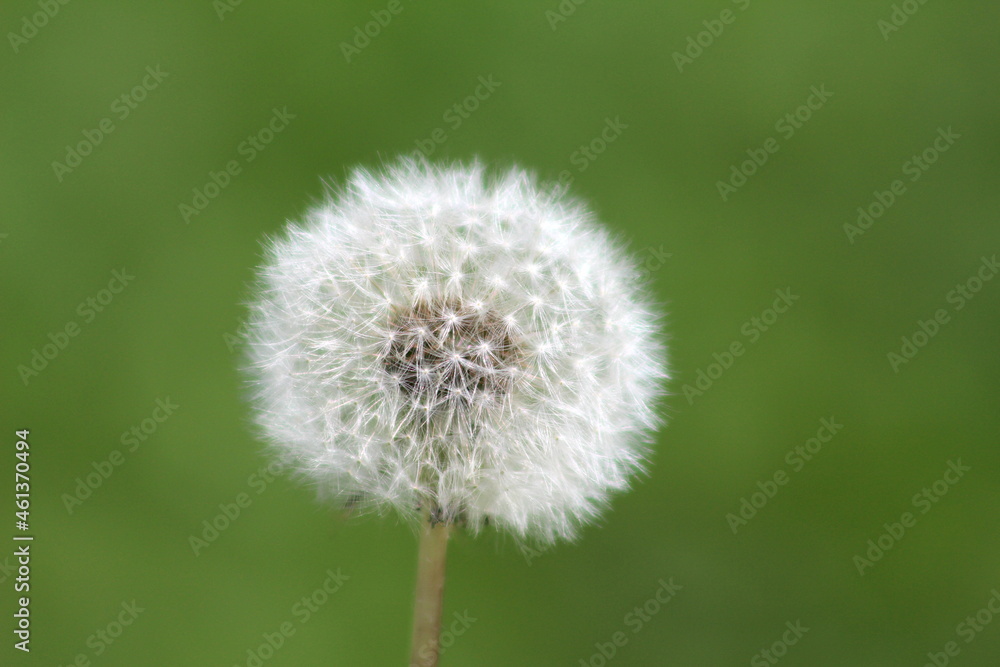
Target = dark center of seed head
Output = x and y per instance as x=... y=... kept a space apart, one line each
x=445 y=350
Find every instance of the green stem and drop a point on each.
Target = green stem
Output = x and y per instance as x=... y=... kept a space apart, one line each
x=429 y=593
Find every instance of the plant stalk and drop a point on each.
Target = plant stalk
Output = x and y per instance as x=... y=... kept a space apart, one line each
x=429 y=593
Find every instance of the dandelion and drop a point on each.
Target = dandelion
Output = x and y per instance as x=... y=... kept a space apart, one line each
x=459 y=350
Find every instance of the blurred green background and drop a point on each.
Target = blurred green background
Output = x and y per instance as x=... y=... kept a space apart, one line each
x=646 y=106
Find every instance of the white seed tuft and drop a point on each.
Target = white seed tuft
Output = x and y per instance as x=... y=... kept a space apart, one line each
x=428 y=337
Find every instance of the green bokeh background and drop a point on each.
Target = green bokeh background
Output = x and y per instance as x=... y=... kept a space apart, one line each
x=170 y=333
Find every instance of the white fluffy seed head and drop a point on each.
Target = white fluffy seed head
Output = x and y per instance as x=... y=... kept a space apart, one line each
x=432 y=338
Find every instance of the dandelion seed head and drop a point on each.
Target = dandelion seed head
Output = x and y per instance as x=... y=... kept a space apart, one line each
x=432 y=337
